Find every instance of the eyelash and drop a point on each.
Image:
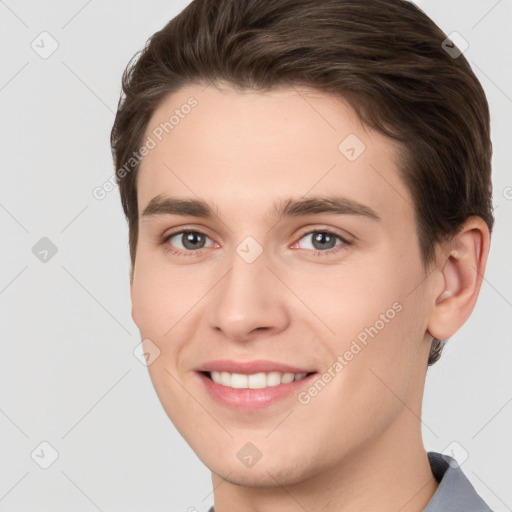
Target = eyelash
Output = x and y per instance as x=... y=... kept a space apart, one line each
x=192 y=253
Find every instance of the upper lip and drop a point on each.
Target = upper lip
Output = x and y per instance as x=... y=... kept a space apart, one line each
x=249 y=367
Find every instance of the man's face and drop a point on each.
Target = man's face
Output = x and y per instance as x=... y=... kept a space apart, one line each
x=339 y=293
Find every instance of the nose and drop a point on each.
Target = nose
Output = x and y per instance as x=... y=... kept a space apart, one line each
x=249 y=299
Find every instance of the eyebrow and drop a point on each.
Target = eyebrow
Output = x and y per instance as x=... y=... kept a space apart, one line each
x=339 y=205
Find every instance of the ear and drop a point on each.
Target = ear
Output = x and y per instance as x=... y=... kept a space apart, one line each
x=462 y=266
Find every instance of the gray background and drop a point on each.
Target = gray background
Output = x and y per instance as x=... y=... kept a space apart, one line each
x=68 y=374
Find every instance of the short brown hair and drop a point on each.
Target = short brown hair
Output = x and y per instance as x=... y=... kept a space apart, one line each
x=385 y=57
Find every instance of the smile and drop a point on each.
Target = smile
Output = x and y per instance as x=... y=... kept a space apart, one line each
x=253 y=381
x=254 y=391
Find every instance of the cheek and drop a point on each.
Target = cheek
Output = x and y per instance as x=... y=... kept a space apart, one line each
x=165 y=304
x=160 y=298
x=148 y=306
x=351 y=301
x=377 y=323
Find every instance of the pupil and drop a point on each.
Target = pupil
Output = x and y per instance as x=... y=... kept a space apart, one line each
x=325 y=240
x=190 y=240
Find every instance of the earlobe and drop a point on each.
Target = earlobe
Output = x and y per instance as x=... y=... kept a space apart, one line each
x=463 y=264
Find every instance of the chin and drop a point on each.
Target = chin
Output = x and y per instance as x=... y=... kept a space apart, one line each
x=265 y=473
x=263 y=478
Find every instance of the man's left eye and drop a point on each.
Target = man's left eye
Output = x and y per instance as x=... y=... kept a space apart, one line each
x=323 y=240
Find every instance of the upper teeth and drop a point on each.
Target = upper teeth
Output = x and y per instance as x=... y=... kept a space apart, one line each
x=256 y=380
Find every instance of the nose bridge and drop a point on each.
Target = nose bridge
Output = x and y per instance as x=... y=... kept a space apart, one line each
x=248 y=297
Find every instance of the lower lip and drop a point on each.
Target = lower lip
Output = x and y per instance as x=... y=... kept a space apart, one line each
x=248 y=399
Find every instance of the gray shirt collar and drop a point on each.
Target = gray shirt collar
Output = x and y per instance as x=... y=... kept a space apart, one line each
x=455 y=492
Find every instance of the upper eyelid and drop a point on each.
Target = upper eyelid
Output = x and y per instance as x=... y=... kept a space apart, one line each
x=333 y=231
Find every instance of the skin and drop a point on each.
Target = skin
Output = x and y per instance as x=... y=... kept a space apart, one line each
x=356 y=445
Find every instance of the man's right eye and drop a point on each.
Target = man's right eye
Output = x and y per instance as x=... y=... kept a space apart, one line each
x=188 y=242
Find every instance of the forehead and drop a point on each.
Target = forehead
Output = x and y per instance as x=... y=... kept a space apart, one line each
x=242 y=150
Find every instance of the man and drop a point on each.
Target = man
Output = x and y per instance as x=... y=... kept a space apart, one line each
x=308 y=191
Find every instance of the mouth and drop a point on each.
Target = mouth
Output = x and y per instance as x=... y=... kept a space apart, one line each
x=260 y=380
x=247 y=393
